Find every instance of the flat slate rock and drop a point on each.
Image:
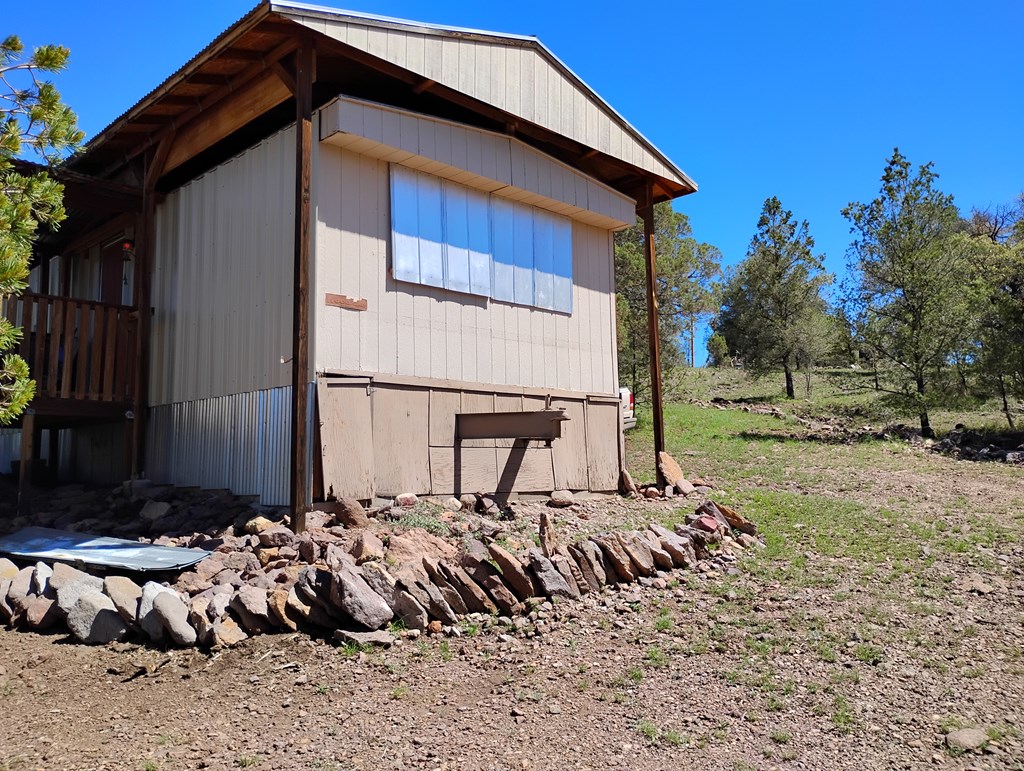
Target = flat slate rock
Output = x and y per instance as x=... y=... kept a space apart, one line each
x=378 y=639
x=669 y=469
x=552 y=583
x=350 y=593
x=625 y=570
x=512 y=571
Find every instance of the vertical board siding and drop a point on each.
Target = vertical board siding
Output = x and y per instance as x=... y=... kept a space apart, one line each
x=410 y=329
x=519 y=79
x=222 y=277
x=238 y=442
x=474 y=157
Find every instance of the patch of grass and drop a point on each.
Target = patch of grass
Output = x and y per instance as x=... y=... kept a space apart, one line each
x=636 y=675
x=656 y=657
x=648 y=730
x=842 y=715
x=1001 y=731
x=780 y=737
x=351 y=650
x=247 y=761
x=444 y=650
x=952 y=723
x=674 y=738
x=664 y=622
x=323 y=765
x=147 y=765
x=399 y=692
x=422 y=515
x=869 y=654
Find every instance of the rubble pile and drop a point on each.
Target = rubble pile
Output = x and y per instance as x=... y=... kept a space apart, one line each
x=965 y=444
x=357 y=575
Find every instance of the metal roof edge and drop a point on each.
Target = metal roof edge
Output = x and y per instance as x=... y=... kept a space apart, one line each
x=280 y=6
x=237 y=28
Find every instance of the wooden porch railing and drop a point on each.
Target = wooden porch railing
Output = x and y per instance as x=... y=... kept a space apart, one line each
x=76 y=349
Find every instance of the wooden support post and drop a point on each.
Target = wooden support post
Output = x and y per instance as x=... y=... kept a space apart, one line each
x=135 y=435
x=647 y=215
x=28 y=435
x=300 y=286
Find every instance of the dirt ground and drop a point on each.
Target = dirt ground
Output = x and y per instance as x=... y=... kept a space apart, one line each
x=885 y=613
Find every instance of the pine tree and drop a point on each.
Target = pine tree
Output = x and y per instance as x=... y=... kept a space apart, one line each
x=686 y=291
x=32 y=119
x=911 y=301
x=773 y=314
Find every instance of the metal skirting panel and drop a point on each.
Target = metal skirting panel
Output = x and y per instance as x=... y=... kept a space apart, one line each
x=10 y=448
x=239 y=442
x=10 y=451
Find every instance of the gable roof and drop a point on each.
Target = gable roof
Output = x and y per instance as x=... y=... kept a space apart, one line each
x=514 y=73
x=504 y=82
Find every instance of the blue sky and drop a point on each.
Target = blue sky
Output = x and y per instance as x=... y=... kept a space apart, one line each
x=801 y=99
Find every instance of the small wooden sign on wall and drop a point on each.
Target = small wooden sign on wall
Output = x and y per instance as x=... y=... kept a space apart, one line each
x=341 y=301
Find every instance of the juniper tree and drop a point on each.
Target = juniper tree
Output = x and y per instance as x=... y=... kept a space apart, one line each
x=773 y=314
x=911 y=298
x=33 y=121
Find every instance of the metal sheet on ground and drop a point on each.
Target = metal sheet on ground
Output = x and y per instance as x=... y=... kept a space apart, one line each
x=43 y=543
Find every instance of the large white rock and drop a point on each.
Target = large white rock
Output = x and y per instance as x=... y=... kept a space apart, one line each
x=147 y=618
x=93 y=619
x=173 y=614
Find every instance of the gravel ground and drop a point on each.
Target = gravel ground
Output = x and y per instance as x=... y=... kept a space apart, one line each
x=842 y=645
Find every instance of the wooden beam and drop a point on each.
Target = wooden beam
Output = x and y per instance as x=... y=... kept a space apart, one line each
x=155 y=168
x=287 y=76
x=241 y=54
x=181 y=122
x=423 y=86
x=141 y=299
x=208 y=79
x=304 y=63
x=263 y=93
x=179 y=101
x=647 y=214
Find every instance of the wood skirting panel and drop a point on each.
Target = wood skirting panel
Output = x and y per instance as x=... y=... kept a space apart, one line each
x=404 y=441
x=400 y=440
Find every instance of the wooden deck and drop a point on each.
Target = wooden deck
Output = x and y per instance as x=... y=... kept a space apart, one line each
x=81 y=353
x=83 y=356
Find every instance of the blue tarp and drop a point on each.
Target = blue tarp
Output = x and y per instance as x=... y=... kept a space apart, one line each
x=46 y=544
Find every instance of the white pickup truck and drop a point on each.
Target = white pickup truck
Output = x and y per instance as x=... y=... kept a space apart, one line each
x=628 y=416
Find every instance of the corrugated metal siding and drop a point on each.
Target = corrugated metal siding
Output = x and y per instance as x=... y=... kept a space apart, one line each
x=222 y=278
x=480 y=159
x=239 y=442
x=97 y=453
x=72 y=452
x=514 y=78
x=409 y=329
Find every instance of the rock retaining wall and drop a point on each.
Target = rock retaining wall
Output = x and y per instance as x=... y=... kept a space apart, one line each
x=355 y=578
